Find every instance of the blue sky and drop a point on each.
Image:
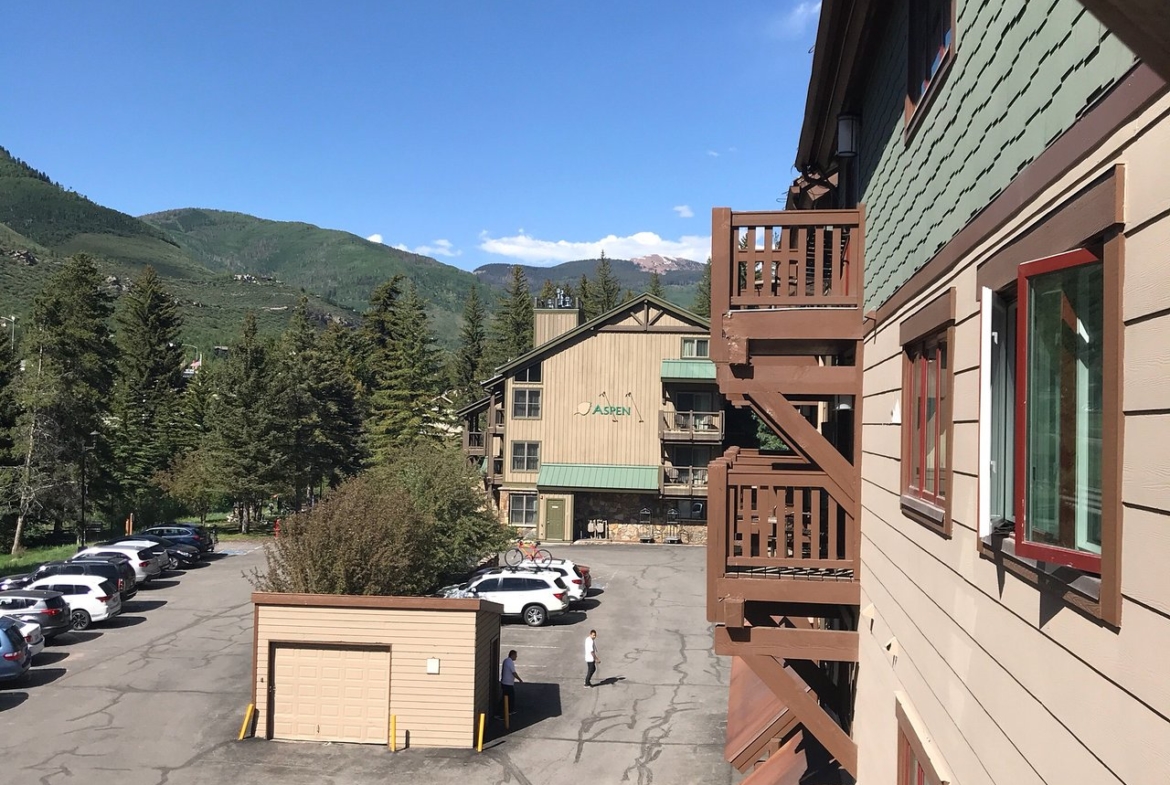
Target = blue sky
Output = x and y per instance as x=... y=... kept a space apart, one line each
x=473 y=132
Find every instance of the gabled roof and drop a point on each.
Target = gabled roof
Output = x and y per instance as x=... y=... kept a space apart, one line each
x=474 y=406
x=591 y=326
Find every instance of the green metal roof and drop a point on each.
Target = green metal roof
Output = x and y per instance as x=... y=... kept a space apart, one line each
x=688 y=369
x=598 y=477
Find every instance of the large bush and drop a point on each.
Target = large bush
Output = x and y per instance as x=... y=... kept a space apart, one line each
x=396 y=530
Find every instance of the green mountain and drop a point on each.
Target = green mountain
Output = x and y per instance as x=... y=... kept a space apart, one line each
x=42 y=222
x=340 y=266
x=680 y=277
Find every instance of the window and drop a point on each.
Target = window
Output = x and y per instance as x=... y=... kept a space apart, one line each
x=525 y=456
x=522 y=509
x=926 y=419
x=1002 y=475
x=529 y=375
x=526 y=403
x=1059 y=426
x=487 y=585
x=919 y=760
x=687 y=401
x=696 y=347
x=910 y=769
x=931 y=47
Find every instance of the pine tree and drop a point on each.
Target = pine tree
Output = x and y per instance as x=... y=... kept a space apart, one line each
x=341 y=450
x=548 y=291
x=585 y=296
x=656 y=285
x=9 y=412
x=378 y=333
x=63 y=395
x=511 y=330
x=468 y=370
x=242 y=424
x=702 y=305
x=146 y=391
x=403 y=400
x=294 y=407
x=605 y=289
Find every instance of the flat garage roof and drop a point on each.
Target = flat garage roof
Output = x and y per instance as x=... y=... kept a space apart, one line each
x=600 y=477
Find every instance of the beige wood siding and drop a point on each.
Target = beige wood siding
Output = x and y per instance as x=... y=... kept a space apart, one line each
x=1014 y=685
x=331 y=694
x=552 y=323
x=438 y=710
x=626 y=367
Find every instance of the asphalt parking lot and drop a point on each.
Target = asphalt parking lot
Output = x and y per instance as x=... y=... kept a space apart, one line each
x=157 y=696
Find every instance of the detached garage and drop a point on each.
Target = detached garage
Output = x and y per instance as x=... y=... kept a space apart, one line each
x=336 y=668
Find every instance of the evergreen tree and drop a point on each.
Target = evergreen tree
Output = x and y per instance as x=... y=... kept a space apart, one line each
x=146 y=396
x=585 y=296
x=242 y=424
x=628 y=295
x=468 y=365
x=9 y=412
x=702 y=305
x=341 y=449
x=605 y=289
x=378 y=333
x=401 y=406
x=548 y=292
x=511 y=330
x=656 y=285
x=64 y=394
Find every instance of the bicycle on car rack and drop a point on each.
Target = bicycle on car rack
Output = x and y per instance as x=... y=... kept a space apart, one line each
x=526 y=551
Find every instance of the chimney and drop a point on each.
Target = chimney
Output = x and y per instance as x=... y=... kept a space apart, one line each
x=554 y=317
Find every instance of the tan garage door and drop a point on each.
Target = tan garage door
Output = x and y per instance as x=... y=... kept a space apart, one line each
x=331 y=694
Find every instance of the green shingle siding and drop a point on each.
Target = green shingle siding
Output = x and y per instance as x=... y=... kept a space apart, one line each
x=679 y=370
x=598 y=477
x=1024 y=73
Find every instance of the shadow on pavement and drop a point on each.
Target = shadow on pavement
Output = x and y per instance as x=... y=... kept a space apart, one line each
x=609 y=680
x=586 y=605
x=139 y=606
x=10 y=700
x=49 y=657
x=157 y=584
x=119 y=622
x=535 y=702
x=73 y=638
x=38 y=677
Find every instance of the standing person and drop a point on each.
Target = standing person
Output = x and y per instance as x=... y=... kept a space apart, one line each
x=508 y=678
x=591 y=658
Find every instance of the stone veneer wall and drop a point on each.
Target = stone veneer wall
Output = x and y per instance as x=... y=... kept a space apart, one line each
x=622 y=511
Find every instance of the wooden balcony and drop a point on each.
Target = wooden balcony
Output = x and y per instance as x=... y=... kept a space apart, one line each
x=795 y=274
x=778 y=532
x=474 y=443
x=690 y=426
x=683 y=481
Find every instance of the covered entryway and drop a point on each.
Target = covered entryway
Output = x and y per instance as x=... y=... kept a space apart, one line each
x=330 y=693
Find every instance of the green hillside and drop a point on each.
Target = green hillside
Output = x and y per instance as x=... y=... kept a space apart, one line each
x=41 y=223
x=340 y=266
x=678 y=285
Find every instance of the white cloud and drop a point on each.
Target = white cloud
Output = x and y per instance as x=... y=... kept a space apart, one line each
x=684 y=211
x=796 y=21
x=532 y=250
x=712 y=153
x=436 y=248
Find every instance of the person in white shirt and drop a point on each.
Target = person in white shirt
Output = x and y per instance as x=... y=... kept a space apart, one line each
x=591 y=657
x=508 y=678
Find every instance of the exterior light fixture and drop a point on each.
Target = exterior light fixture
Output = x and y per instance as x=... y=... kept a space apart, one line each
x=848 y=135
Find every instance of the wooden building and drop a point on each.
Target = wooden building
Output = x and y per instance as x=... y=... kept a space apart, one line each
x=958 y=580
x=336 y=668
x=605 y=429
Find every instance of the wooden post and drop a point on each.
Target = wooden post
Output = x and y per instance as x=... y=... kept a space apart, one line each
x=507 y=714
x=717 y=528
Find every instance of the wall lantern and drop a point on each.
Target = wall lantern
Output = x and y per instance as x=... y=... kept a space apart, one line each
x=848 y=135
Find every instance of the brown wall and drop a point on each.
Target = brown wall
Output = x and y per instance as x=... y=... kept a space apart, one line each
x=437 y=710
x=1014 y=683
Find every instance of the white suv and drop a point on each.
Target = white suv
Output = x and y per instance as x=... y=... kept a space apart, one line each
x=567 y=573
x=533 y=596
x=91 y=597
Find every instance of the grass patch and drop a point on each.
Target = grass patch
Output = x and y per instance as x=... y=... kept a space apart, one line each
x=26 y=560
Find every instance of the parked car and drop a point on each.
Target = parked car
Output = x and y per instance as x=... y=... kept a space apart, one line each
x=117 y=571
x=31 y=632
x=142 y=561
x=201 y=538
x=178 y=554
x=535 y=597
x=157 y=551
x=14 y=657
x=46 y=608
x=16 y=581
x=90 y=597
x=571 y=579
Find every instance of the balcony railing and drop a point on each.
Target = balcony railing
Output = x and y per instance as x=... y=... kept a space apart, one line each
x=684 y=481
x=690 y=426
x=769 y=518
x=791 y=258
x=473 y=442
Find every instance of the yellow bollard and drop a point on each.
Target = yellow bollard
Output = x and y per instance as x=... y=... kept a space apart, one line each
x=394 y=733
x=479 y=746
x=507 y=714
x=247 y=720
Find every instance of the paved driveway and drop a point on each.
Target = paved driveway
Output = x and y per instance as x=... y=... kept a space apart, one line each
x=159 y=697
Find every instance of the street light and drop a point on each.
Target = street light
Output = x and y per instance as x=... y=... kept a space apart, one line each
x=85 y=450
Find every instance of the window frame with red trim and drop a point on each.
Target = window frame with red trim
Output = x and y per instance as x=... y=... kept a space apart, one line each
x=927 y=380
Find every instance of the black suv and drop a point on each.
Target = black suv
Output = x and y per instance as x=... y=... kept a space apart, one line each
x=117 y=571
x=46 y=608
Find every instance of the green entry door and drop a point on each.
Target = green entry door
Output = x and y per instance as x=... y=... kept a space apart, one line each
x=554 y=519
